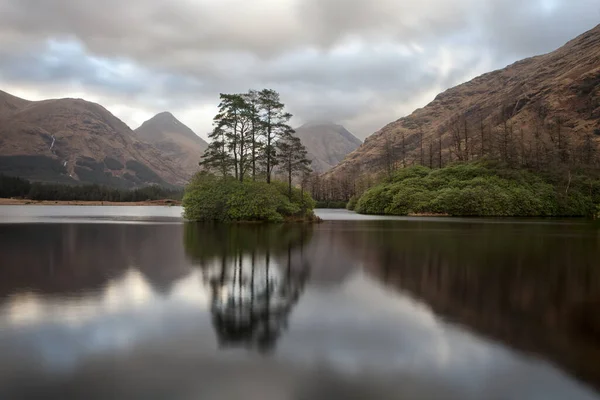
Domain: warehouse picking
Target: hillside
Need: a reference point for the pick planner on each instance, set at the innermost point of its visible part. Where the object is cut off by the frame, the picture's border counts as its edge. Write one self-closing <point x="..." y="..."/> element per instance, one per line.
<point x="174" y="140"/>
<point x="72" y="140"/>
<point x="10" y="104"/>
<point x="327" y="144"/>
<point x="527" y="111"/>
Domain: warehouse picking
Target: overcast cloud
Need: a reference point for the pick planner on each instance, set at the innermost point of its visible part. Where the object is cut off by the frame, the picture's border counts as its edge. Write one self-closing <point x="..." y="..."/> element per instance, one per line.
<point x="362" y="63"/>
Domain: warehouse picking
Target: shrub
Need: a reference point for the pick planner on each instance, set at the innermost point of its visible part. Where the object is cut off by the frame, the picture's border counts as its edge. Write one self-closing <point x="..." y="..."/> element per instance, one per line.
<point x="211" y="198"/>
<point x="376" y="200"/>
<point x="351" y="205"/>
<point x="479" y="189"/>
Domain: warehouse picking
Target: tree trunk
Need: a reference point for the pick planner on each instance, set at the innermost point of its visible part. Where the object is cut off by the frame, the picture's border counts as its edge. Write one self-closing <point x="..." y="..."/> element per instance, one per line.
<point x="440" y="151"/>
<point x="290" y="181"/>
<point x="482" y="127"/>
<point x="466" y="140"/>
<point x="430" y="154"/>
<point x="403" y="152"/>
<point x="269" y="148"/>
<point x="253" y="151"/>
<point x="421" y="144"/>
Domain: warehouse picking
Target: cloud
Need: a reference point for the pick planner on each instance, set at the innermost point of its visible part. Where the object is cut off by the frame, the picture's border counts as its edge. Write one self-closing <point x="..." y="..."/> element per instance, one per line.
<point x="363" y="63"/>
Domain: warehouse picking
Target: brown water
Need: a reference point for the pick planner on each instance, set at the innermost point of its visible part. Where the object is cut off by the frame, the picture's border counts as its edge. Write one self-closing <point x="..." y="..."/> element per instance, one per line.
<point x="132" y="303"/>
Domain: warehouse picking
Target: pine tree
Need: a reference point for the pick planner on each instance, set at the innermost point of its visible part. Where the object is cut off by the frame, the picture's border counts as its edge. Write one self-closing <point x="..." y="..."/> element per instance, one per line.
<point x="256" y="131"/>
<point x="231" y="138"/>
<point x="216" y="157"/>
<point x="292" y="157"/>
<point x="274" y="121"/>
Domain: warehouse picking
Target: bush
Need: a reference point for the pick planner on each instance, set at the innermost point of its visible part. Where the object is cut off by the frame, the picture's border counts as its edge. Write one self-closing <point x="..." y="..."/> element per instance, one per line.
<point x="376" y="200"/>
<point x="479" y="189"/>
<point x="211" y="198"/>
<point x="352" y="203"/>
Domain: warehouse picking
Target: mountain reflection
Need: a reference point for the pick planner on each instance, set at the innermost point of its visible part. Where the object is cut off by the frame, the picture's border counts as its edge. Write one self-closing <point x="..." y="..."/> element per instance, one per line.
<point x="72" y="292"/>
<point x="534" y="286"/>
<point x="255" y="273"/>
<point x="78" y="259"/>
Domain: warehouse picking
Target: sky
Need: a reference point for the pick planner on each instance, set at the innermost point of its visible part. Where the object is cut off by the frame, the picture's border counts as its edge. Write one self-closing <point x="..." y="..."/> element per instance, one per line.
<point x="360" y="63"/>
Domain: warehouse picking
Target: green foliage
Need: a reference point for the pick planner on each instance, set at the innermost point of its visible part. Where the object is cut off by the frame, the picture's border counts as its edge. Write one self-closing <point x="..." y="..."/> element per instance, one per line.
<point x="376" y="200"/>
<point x="251" y="137"/>
<point x="225" y="199"/>
<point x="351" y="205"/>
<point x="292" y="158"/>
<point x="22" y="188"/>
<point x="479" y="189"/>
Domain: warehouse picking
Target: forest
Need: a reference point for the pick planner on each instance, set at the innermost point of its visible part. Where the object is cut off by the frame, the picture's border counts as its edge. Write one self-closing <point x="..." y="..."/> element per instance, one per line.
<point x="13" y="187"/>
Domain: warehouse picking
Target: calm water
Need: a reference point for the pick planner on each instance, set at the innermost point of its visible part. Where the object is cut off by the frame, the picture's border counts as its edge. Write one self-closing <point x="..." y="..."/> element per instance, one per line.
<point x="130" y="302"/>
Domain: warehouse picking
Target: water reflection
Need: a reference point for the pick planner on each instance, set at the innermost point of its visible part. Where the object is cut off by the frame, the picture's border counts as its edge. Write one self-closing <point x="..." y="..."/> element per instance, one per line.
<point x="533" y="285"/>
<point x="256" y="275"/>
<point x="71" y="259"/>
<point x="339" y="310"/>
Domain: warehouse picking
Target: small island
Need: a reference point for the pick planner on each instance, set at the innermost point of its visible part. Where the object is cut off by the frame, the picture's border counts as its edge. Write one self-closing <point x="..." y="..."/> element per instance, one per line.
<point x="251" y="145"/>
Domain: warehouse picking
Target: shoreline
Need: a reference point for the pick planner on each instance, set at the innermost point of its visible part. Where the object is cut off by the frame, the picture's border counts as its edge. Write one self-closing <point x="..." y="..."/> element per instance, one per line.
<point x="27" y="202"/>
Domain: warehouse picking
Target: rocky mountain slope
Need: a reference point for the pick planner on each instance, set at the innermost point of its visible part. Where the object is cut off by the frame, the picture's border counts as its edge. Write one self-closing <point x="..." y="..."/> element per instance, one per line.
<point x="72" y="140"/>
<point x="174" y="140"/>
<point x="552" y="94"/>
<point x="327" y="144"/>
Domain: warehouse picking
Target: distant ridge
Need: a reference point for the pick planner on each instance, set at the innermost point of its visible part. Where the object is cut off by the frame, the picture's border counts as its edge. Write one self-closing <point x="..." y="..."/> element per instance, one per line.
<point x="327" y="143"/>
<point x="174" y="140"/>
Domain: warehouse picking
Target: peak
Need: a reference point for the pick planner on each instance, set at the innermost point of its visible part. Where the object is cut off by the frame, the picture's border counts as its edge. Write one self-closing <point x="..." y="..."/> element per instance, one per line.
<point x="165" y="115"/>
<point x="319" y="123"/>
<point x="164" y="125"/>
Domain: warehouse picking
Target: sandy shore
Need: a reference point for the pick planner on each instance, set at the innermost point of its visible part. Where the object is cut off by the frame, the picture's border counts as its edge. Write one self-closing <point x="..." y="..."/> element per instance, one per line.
<point x="22" y="202"/>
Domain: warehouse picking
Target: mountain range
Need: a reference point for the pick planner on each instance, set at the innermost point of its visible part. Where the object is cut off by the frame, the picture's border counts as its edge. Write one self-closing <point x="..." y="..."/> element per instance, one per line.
<point x="76" y="141"/>
<point x="73" y="140"/>
<point x="551" y="95"/>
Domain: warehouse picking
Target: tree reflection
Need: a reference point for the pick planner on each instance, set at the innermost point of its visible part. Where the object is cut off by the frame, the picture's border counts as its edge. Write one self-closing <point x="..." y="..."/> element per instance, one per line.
<point x="533" y="286"/>
<point x="255" y="273"/>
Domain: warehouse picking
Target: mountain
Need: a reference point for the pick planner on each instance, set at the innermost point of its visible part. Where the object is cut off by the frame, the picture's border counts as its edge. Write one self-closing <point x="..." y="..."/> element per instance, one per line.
<point x="555" y="95"/>
<point x="10" y="104"/>
<point x="174" y="140"/>
<point x="73" y="140"/>
<point x="327" y="143"/>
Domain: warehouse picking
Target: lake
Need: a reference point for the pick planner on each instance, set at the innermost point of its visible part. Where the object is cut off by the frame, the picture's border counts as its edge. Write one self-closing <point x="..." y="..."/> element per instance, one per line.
<point x="131" y="302"/>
